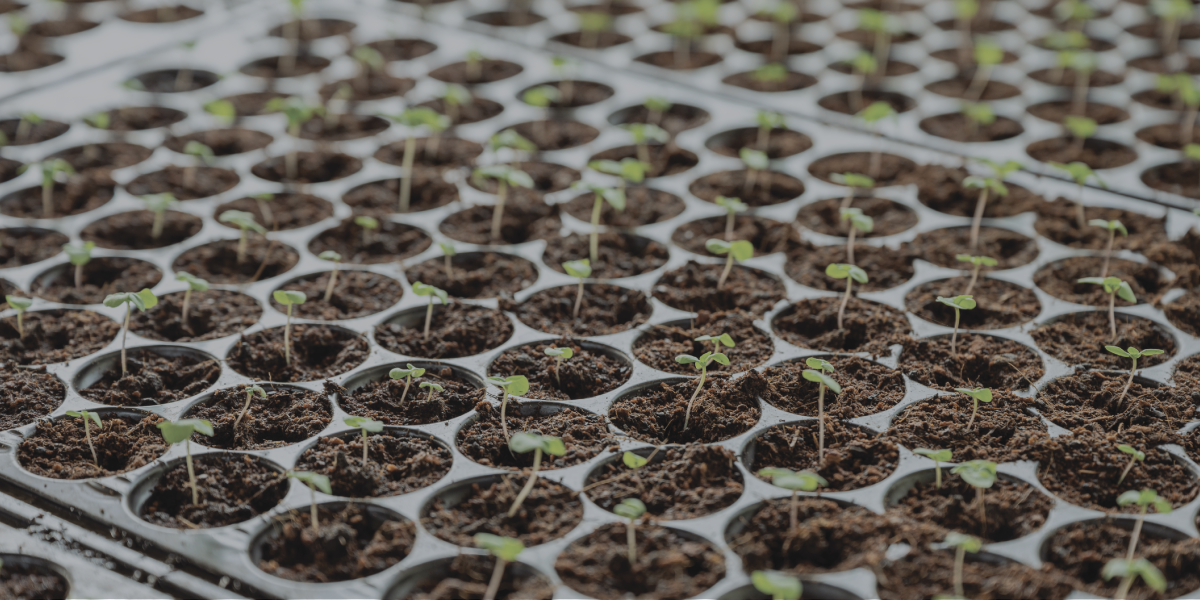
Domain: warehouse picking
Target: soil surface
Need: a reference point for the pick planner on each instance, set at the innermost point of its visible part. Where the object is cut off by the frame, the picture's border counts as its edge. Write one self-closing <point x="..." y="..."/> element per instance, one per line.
<point x="479" y="109"/>
<point x="941" y="188"/>
<point x="176" y="81"/>
<point x="667" y="60"/>
<point x="212" y="314"/>
<point x="288" y="211"/>
<point x="1079" y="338"/>
<point x="390" y="242"/>
<point x="959" y="128"/>
<point x="677" y="118"/>
<point x="1014" y="508"/>
<point x="980" y="361"/>
<point x="942" y="246"/>
<point x="599" y="40"/>
<point x="957" y="88"/>
<point x="556" y="135"/>
<point x="606" y="309"/>
<point x="847" y="104"/>
<point x="868" y="326"/>
<point x="669" y="564"/>
<point x="824" y="216"/>
<point x="385" y="400"/>
<point x="885" y="267"/>
<point x="403" y="48"/>
<point x="549" y="512"/>
<point x="27" y="395"/>
<point x="1058" y="221"/>
<point x="343" y="128"/>
<point x="1057" y="111"/>
<point x="355" y="294"/>
<point x="307" y="30"/>
<point x="1089" y="400"/>
<point x="928" y="573"/>
<point x="20" y="246"/>
<point x="664" y="160"/>
<point x="318" y="351"/>
<point x="58" y="448"/>
<point x="547" y="178"/>
<point x="208" y="181"/>
<point x="101" y="277"/>
<point x="153" y="378"/>
<point x="588" y="373"/>
<point x="53" y="336"/>
<point x="253" y="104"/>
<point x="456" y="330"/>
<point x="477" y="274"/>
<point x="217" y="261"/>
<point x="1082" y="549"/>
<point x="311" y="167"/>
<point x="677" y="483"/>
<point x="140" y="118"/>
<point x="233" y="488"/>
<point x="1061" y="280"/>
<point x="781" y="143"/>
<point x="893" y="169"/>
<point x="867" y="388"/>
<point x="1003" y="429"/>
<point x="47" y="129"/>
<point x="223" y="142"/>
<point x="432" y="154"/>
<point x="382" y="197"/>
<point x="350" y="542"/>
<point x="271" y="67"/>
<point x="792" y="81"/>
<point x="766" y="235"/>
<point x="762" y="188"/>
<point x="1181" y="178"/>
<point x="397" y="463"/>
<point x="660" y="344"/>
<point x="855" y="457"/>
<point x="1184" y="313"/>
<point x="724" y="409"/>
<point x="1181" y="257"/>
<point x="526" y="217"/>
<point x="693" y="287"/>
<point x="1096" y="153"/>
<point x="135" y="230"/>
<point x="644" y="206"/>
<point x="1000" y="303"/>
<point x="584" y="433"/>
<point x="286" y="416"/>
<point x="100" y="159"/>
<point x="466" y="577"/>
<point x="618" y="254"/>
<point x="374" y="86"/>
<point x="21" y="582"/>
<point x="78" y="195"/>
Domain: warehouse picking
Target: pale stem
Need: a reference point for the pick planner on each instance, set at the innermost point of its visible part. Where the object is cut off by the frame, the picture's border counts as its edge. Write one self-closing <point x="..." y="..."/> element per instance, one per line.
<point x="643" y="153"/>
<point x="1080" y="219"/>
<point x="845" y="301"/>
<point x="433" y="145"/>
<point x="449" y="267"/>
<point x="1079" y="97"/>
<point x="793" y="517"/>
<point x="245" y="407"/>
<point x="982" y="511"/>
<point x="241" y="247"/>
<point x="187" y="446"/>
<point x="821" y="427"/>
<point x="751" y="179"/>
<point x="688" y="414"/>
<point x="850" y="244"/>
<point x="498" y="212"/>
<point x="1112" y="237"/>
<point x="87" y="432"/>
<point x="764" y="139"/>
<point x="189" y="176"/>
<point x="959" y="555"/>
<point x="1112" y="315"/>
<point x="20" y="327"/>
<point x="780" y="42"/>
<point x="157" y="229"/>
<point x="537" y="462"/>
<point x="47" y="196"/>
<point x="883" y="43"/>
<point x="267" y="214"/>
<point x="978" y="218"/>
<point x="287" y="338"/>
<point x="954" y="336"/>
<point x="503" y="411"/>
<point x="876" y="159"/>
<point x="187" y="299"/>
<point x="974" y="411"/>
<point x="312" y="510"/>
<point x="332" y="282"/>
<point x="292" y="32"/>
<point x="856" y="94"/>
<point x="493" y="587"/>
<point x="407" y="382"/>
<point x="631" y="538"/>
<point x="728" y="268"/>
<point x="290" y="165"/>
<point x="594" y="242"/>
<point x="974" y="278"/>
<point x="729" y="221"/>
<point x="78" y="276"/>
<point x="1128" y="383"/>
<point x="578" y="300"/>
<point x="557" y="368"/>
<point x="1137" y="532"/>
<point x="428" y="318"/>
<point x="365" y="443"/>
<point x="846" y="200"/>
<point x="1123" y="590"/>
<point x="1128" y="468"/>
<point x="979" y="82"/>
<point x="410" y="145"/>
<point x="124" y="336"/>
<point x="1189" y="122"/>
<point x="937" y="470"/>
<point x="964" y="48"/>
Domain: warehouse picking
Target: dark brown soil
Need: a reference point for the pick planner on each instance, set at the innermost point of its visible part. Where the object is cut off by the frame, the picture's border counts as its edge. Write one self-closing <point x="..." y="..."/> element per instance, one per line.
<point x="768" y="236"/>
<point x="344" y="127"/>
<point x="30" y="582"/>
<point x="582" y="93"/>
<point x="549" y="512"/>
<point x="792" y="81"/>
<point x="957" y="88"/>
<point x="134" y="230"/>
<point x="1184" y="313"/>
<point x="233" y="488"/>
<point x="585" y="434"/>
<point x="1061" y="280"/>
<point x="855" y="457"/>
<point x="606" y="309"/>
<point x="669" y="564"/>
<point x="893" y="68"/>
<point x="1003" y="430"/>
<point x="1181" y="178"/>
<point x="588" y="373"/>
<point x="550" y="135"/>
<point x="1014" y="508"/>
<point x="288" y="415"/>
<point x="318" y="351"/>
<point x="101" y="277"/>
<point x="311" y="167"/>
<point x="46" y="130"/>
<point x="253" y="104"/>
<point x="140" y="118"/>
<point x="153" y="378"/>
<point x="172" y="14"/>
<point x="1167" y="135"/>
<point x="893" y="169"/>
<point x="58" y="448"/>
<point x="1098" y="78"/>
<point x="1000" y="303"/>
<point x="824" y="216"/>
<point x="212" y="314"/>
<point x="351" y="541"/>
<point x="644" y="206"/>
<point x="308" y="30"/>
<point x="78" y="195"/>
<point x="732" y="184"/>
<point x="223" y="142"/>
<point x="950" y="55"/>
<point x="21" y="246"/>
<point x="381" y="399"/>
<point x="403" y="48"/>
<point x="780" y="144"/>
<point x="869" y="326"/>
<point x="508" y="18"/>
<point x="217" y="261"/>
<point x="942" y="246"/>
<point x="1151" y="29"/>
<point x="9" y="169"/>
<point x="53" y="336"/>
<point x="28" y="395"/>
<point x="547" y="178"/>
<point x="1057" y="221"/>
<point x="1082" y="549"/>
<point x="1097" y="153"/>
<point x="167" y="81"/>
<point x="490" y="70"/>
<point x="480" y="109"/>
<point x="866" y="39"/>
<point x="466" y="577"/>
<point x="1089" y="401"/>
<point x="1057" y="111"/>
<point x="678" y="483"/>
<point x="397" y="463"/>
<point x="288" y="211"/>
<point x="1079" y="339"/>
<point x="1156" y="99"/>
<point x="456" y="330"/>
<point x="660" y="344"/>
<point x="693" y="287"/>
<point x="941" y="188"/>
<point x="355" y="294"/>
<point x="845" y="103"/>
<point x="390" y="242"/>
<point x="680" y="117"/>
<point x="981" y="361"/>
<point x="526" y="217"/>
<point x="383" y="197"/>
<point x="27" y="60"/>
<point x="477" y="274"/>
<point x="766" y="47"/>
<point x="724" y="409"/>
<point x="449" y="152"/>
<point x="867" y="388"/>
<point x="665" y="160"/>
<point x="270" y="67"/>
<point x="375" y="86"/>
<point x="928" y="573"/>
<point x="667" y="60"/>
<point x="619" y="254"/>
<point x="601" y="40"/>
<point x="957" y="127"/>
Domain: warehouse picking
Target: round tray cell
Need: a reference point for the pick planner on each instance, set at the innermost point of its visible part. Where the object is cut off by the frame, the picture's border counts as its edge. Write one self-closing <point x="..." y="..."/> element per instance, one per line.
<point x="664" y="160"/>
<point x="483" y="71"/>
<point x="96" y="280"/>
<point x="222" y="142"/>
<point x="973" y="360"/>
<point x="311" y="167"/>
<point x="480" y="109"/>
<point x="212" y="314"/>
<point x="867" y="388"/>
<point x="670" y="563"/>
<point x="103" y="157"/>
<point x="253" y="104"/>
<point x="592" y="40"/>
<point x="867" y="326"/>
<point x="287" y="415"/>
<point x="389" y="242"/>
<point x="28" y="395"/>
<point x="218" y="261"/>
<point x="1181" y="178"/>
<point x="163" y="14"/>
<point x="766" y="235"/>
<point x="21" y="246"/>
<point x="618" y="254"/>
<point x="659" y="345"/>
<point x="141" y="118"/>
<point x="459" y="512"/>
<point x="402" y="48"/>
<point x="232" y="488"/>
<point x="658" y="412"/>
<point x="942" y="188"/>
<point x="1078" y="339"/>
<point x="928" y="572"/>
<point x="355" y="294"/>
<point x="755" y="188"/>
<point x="1079" y="550"/>
<point x="455" y="330"/>
<point x="30" y="133"/>
<point x="694" y="287"/>
<point x="958" y="87"/>
<point x="942" y="246"/>
<point x="283" y="211"/>
<point x="154" y="375"/>
<point x="482" y="438"/>
<point x="431" y="155"/>
<point x="1000" y="304"/>
<point x="885" y="267"/>
<point x="855" y="457"/>
<point x="1103" y="114"/>
<point x="1012" y="508"/>
<point x="507" y="18"/>
<point x="1058" y="221"/>
<point x="957" y="127"/>
<point x="605" y="309"/>
<point x="465" y="575"/>
<point x="1099" y="400"/>
<point x="547" y="178"/>
<point x="591" y="371"/>
<point x="476" y="274"/>
<point x="677" y="483"/>
<point x="53" y="336"/>
<point x="791" y="82"/>
<point x="307" y="30"/>
<point x="574" y="93"/>
<point x="670" y="60"/>
<point x="1003" y="430"/>
<point x="549" y="135"/>
<point x="1096" y="153"/>
<point x="780" y="143"/>
<point x="78" y="195"/>
<point x="525" y="217"/>
<point x="184" y="183"/>
<point x="350" y="541"/>
<point x="848" y="103"/>
<point x="399" y="461"/>
<point x="134" y="230"/>
<point x="28" y="60"/>
<point x="317" y="352"/>
<point x="274" y="67"/>
<point x="342" y="128"/>
<point x="58" y="448"/>
<point x="889" y="169"/>
<point x="824" y="216"/>
<point x="28" y="577"/>
<point x="174" y="81"/>
<point x="373" y="394"/>
<point x="678" y="117"/>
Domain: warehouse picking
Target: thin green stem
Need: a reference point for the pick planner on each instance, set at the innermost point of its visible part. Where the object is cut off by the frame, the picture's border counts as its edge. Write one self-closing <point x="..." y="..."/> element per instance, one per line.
<point x="537" y="462"/>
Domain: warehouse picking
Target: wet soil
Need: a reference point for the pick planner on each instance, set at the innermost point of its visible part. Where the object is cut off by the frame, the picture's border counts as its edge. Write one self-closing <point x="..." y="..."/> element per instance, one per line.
<point x="223" y="142"/>
<point x="693" y="287"/>
<point x="1079" y="338"/>
<point x="766" y="235"/>
<point x="781" y="143"/>
<point x="374" y="86"/>
<point x="477" y="274"/>
<point x="525" y="218"/>
<point x="867" y="388"/>
<point x="678" y="483"/>
<point x="941" y="188"/>
<point x="351" y="541"/>
<point x="588" y="373"/>
<point x="307" y="30"/>
<point x="667" y="60"/>
<point x="549" y="135"/>
<point x="869" y="326"/>
<point x="212" y="314"/>
<point x="1014" y="508"/>
<point x="768" y="187"/>
<point x="253" y="104"/>
<point x="669" y="564"/>
<point x="381" y="197"/>
<point x="27" y="395"/>
<point x="140" y="118"/>
<point x="1061" y="280"/>
<point x="547" y="178"/>
<point x="36" y="133"/>
<point x="585" y="434"/>
<point x="403" y="48"/>
<point x="21" y="246"/>
<point x="791" y="82"/>
<point x="680" y="117"/>
<point x="172" y="14"/>
<point x="942" y="246"/>
<point x="355" y="294"/>
<point x="1057" y="221"/>
<point x="958" y="86"/>
<point x="600" y="40"/>
<point x="318" y="351"/>
<point x="479" y="109"/>
<point x="101" y="277"/>
<point x="855" y="457"/>
<point x="644" y="207"/>
<point x="549" y="512"/>
<point x="134" y="230"/>
<point x="54" y="336"/>
<point x="390" y="242"/>
<point x="271" y="66"/>
<point x="311" y="167"/>
<point x="664" y="160"/>
<point x="288" y="211"/>
<point x="1082" y="549"/>
<point x="439" y="153"/>
<point x="724" y="409"/>
<point x="957" y="127"/>
<point x="845" y="103"/>
<point x="58" y="448"/>
<point x="397" y="463"/>
<point x="153" y="378"/>
<point x="886" y="267"/>
<point x="342" y="128"/>
<point x="217" y="261"/>
<point x="489" y="70"/>
<point x="384" y="399"/>
<point x="1096" y="153"/>
<point x="606" y="309"/>
<point x="209" y="181"/>
<point x="1181" y="178"/>
<point x="1182" y="257"/>
<point x="1089" y="401"/>
<point x="466" y="577"/>
<point x="1003" y="430"/>
<point x="175" y="81"/>
<point x="456" y="330"/>
<point x="980" y="361"/>
<point x="658" y="346"/>
<point x="824" y="216"/>
<point x="893" y="169"/>
<point x="78" y="195"/>
<point x="1000" y="303"/>
<point x="286" y="416"/>
<point x="1057" y="111"/>
<point x="1184" y="313"/>
<point x="233" y="488"/>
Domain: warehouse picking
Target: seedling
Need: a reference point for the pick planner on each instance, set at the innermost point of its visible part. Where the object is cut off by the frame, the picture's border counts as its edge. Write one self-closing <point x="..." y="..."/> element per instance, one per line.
<point x="1113" y="228"/>
<point x="1134" y="354"/>
<point x="981" y="475"/>
<point x="432" y="387"/>
<point x="804" y="481"/>
<point x="142" y="300"/>
<point x="264" y="207"/>
<point x="732" y="207"/>
<point x="767" y="122"/>
<point x="1075" y="13"/>
<point x="757" y="164"/>
<point x="816" y="373"/>
<point x="1135" y="456"/>
<point x="700" y="364"/>
<point x="851" y="274"/>
<point x="195" y="284"/>
<point x="1144" y="499"/>
<point x="879" y="23"/>
<point x="289" y="299"/>
<point x="579" y="269"/>
<point x="334" y="258"/>
<point x="634" y="461"/>
<point x="454" y="98"/>
<point x="506" y="550"/>
<point x="632" y="509"/>
<point x="158" y="204"/>
<point x="740" y="250"/>
<point x="1129" y="570"/>
<point x="770" y="75"/>
<point x="25" y="125"/>
<point x="591" y="25"/>
<point x="51" y="169"/>
<point x="964" y="12"/>
<point x="1083" y="63"/>
<point x="181" y="431"/>
<point x="938" y="457"/>
<point x="407" y="375"/>
<point x="865" y="65"/>
<point x="1080" y="172"/>
<point x="1171" y="14"/>
<point x="853" y="181"/>
<point x="369" y="60"/>
<point x="1191" y="152"/>
<point x="517" y="143"/>
<point x="858" y="222"/>
<point x="87" y="416"/>
<point x="543" y="97"/>
<point x="1081" y="129"/>
<point x="414" y="118"/>
<point x="422" y="289"/>
<point x="988" y="54"/>
<point x="223" y="110"/>
<point x="250" y="391"/>
<point x="505" y="176"/>
<point x="367" y="426"/>
<point x="979" y="115"/>
<point x="976" y="395"/>
<point x="1186" y="100"/>
<point x="643" y="134"/>
<point x="369" y="225"/>
<point x="977" y="263"/>
<point x="559" y="355"/>
<point x="1113" y="287"/>
<point x="448" y="253"/>
<point x="783" y="14"/>
<point x="523" y="442"/>
<point x="79" y="255"/>
<point x="986" y="186"/>
<point x="202" y="155"/>
<point x="962" y="544"/>
<point x="100" y="120"/>
<point x="513" y="384"/>
<point x="723" y="339"/>
<point x="871" y="115"/>
<point x="959" y="304"/>
<point x="777" y="584"/>
<point x="246" y="223"/>
<point x="298" y="113"/>
<point x="685" y="32"/>
<point x="655" y="109"/>
<point x="629" y="169"/>
<point x="20" y="305"/>
<point x="314" y="481"/>
<point x="474" y="62"/>
<point x="614" y="197"/>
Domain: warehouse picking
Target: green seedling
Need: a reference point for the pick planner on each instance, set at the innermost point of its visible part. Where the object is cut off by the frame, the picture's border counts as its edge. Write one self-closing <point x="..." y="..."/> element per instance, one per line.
<point x="959" y="304"/>
<point x="783" y="14"/>
<point x="962" y="544"/>
<point x="1074" y="13"/>
<point x="515" y="142"/>
<point x="334" y="258"/>
<point x="51" y="169"/>
<point x="757" y="165"/>
<point x="976" y="395"/>
<point x="25" y="125"/>
<point x="474" y="63"/>
<point x="1191" y="152"/>
<point x="979" y="115"/>
<point x="513" y="384"/>
<point x="79" y="255"/>
<point x="414" y="118"/>
<point x="964" y="12"/>
<point x="543" y="97"/>
<point x="1130" y="570"/>
<point x="777" y="584"/>
<point x="629" y="169"/>
<point x="804" y="481"/>
<point x="988" y="54"/>
<point x="314" y="481"/>
<point x="591" y="26"/>
<point x="202" y="155"/>
<point x="977" y="263"/>
<point x="853" y="181"/>
<point x="981" y="475"/>
<point x="851" y="274"/>
<point x="871" y="116"/>
<point x="369" y="60"/>
<point x="634" y="461"/>
<point x="369" y="226"/>
<point x="448" y="254"/>
<point x="87" y="416"/>
<point x="938" y="457"/>
<point x="263" y="201"/>
<point x="20" y="305"/>
<point x="858" y="222"/>
<point x="422" y="289"/>
<point x="291" y="32"/>
<point x="1113" y="228"/>
<point x="142" y="301"/>
<point x="559" y="355"/>
<point x="771" y="75"/>
<point x="1113" y="287"/>
<point x="1171" y="15"/>
<point x="1066" y="40"/>
<point x="816" y="373"/>
<point x="290" y="299"/>
<point x="454" y="97"/>
<point x="986" y="186"/>
<point x="101" y="120"/>
<point x="1134" y="354"/>
<point x="700" y="364"/>
<point x="732" y="207"/>
<point x="246" y="223"/>
<point x="195" y="284"/>
<point x="223" y="110"/>
<point x="1144" y="500"/>
<point x="1135" y="456"/>
<point x="181" y="431"/>
<point x="366" y="426"/>
<point x="523" y="442"/>
<point x="1185" y="98"/>
<point x="643" y="134"/>
<point x="1083" y="63"/>
<point x="579" y="269"/>
<point x="879" y="23"/>
<point x="251" y="390"/>
<point x="723" y="339"/>
<point x="615" y="197"/>
<point x="432" y="387"/>
<point x="506" y="550"/>
<point x="297" y="113"/>
<point x="158" y="204"/>
<point x="505" y="177"/>
<point x="407" y="375"/>
<point x="740" y="251"/>
<point x="632" y="509"/>
<point x="1080" y="172"/>
<point x="656" y="107"/>
<point x="768" y="121"/>
<point x="1081" y="128"/>
<point x="684" y="33"/>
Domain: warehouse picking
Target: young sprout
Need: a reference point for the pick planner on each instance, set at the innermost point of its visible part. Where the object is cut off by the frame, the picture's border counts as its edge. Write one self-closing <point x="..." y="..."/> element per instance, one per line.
<point x="977" y="395"/>
<point x="1171" y="14"/>
<point x="756" y="163"/>
<point x="853" y="181"/>
<point x="543" y="97"/>
<point x="643" y="134"/>
<point x="142" y="300"/>
<point x="367" y="426"/>
<point x="804" y="481"/>
<point x="879" y="23"/>
<point x="988" y="54"/>
<point x="334" y="258"/>
<point x="158" y="204"/>
<point x="1135" y="456"/>
<point x="978" y="114"/>
<point x="981" y="475"/>
<point x="432" y="387"/>
<point x="634" y="461"/>
<point x="523" y="442"/>
<point x="723" y="339"/>
<point x="962" y="544"/>
<point x="871" y="115"/>
<point x="858" y="222"/>
<point x="474" y="61"/>
<point x="88" y="415"/>
<point x="615" y="197"/>
<point x="684" y="31"/>
<point x="1081" y="129"/>
<point x="1113" y="287"/>
<point x="505" y="176"/>
<point x="732" y="207"/>
<point x="222" y="109"/>
<point x="977" y="263"/>
<point x="289" y="299"/>
<point x="632" y="509"/>
<point x="816" y="373"/>
<point x="314" y="481"/>
<point x="1113" y="227"/>
<point x="181" y="431"/>
<point x="448" y="253"/>
<point x="938" y="457"/>
<point x="195" y="284"/>
<point x="407" y="375"/>
<point x="964" y="12"/>
<point x="1191" y="152"/>
<point x="20" y="305"/>
<point x="986" y="186"/>
<point x="740" y="250"/>
<point x="454" y="98"/>
<point x="1129" y="570"/>
<point x="770" y="75"/>
<point x="1187" y="100"/>
<point x="506" y="550"/>
<point x="959" y="304"/>
<point x="250" y="391"/>
<point x="513" y="384"/>
<point x="1080" y="172"/>
<point x="298" y="113"/>
<point x="263" y="201"/>
<point x="368" y="225"/>
<point x="246" y="223"/>
<point x="700" y="364"/>
<point x="369" y="61"/>
<point x="767" y="122"/>
<point x="51" y="169"/>
<point x="413" y="118"/>
<point x="777" y="584"/>
<point x="559" y="355"/>
<point x="25" y="125"/>
<point x="591" y="25"/>
<point x="579" y="269"/>
<point x="515" y="142"/>
<point x="629" y="169"/>
<point x="1134" y="354"/>
<point x="850" y="273"/>
<point x="783" y="13"/>
<point x="656" y="107"/>
<point x="1144" y="500"/>
<point x="1083" y="62"/>
<point x="202" y="155"/>
<point x="79" y="255"/>
<point x="422" y="289"/>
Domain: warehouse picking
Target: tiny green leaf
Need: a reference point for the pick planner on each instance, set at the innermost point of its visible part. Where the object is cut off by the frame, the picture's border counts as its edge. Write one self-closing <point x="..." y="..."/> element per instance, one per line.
<point x="370" y="425"/>
<point x="633" y="461"/>
<point x="289" y="297"/>
<point x="630" y="508"/>
<point x="943" y="455"/>
<point x="504" y="548"/>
